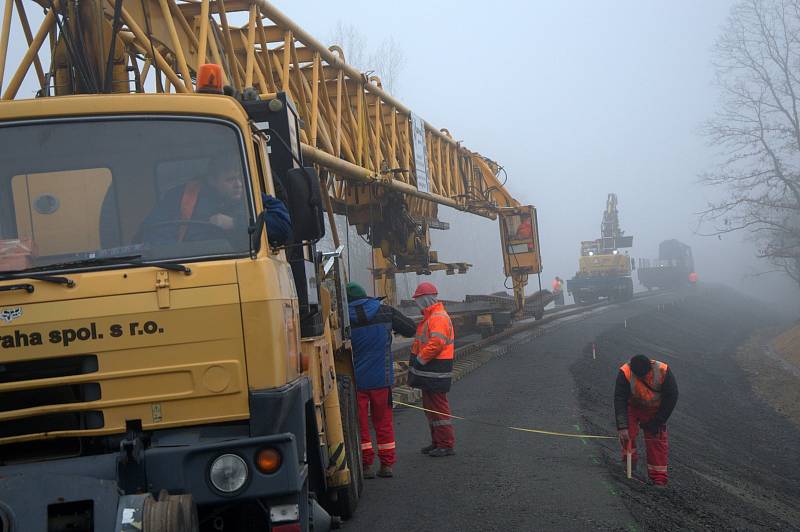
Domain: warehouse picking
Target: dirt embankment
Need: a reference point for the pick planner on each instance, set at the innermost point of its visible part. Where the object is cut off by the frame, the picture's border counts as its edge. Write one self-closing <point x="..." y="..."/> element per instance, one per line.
<point x="734" y="458"/>
<point x="773" y="373"/>
<point x="787" y="344"/>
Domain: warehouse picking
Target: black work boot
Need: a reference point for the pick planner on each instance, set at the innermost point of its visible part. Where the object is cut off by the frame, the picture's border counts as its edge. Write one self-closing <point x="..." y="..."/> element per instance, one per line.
<point x="439" y="452"/>
<point x="427" y="449"/>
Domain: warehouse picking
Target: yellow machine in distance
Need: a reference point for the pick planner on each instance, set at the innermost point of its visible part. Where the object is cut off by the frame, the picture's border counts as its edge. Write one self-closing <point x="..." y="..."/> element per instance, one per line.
<point x="604" y="271"/>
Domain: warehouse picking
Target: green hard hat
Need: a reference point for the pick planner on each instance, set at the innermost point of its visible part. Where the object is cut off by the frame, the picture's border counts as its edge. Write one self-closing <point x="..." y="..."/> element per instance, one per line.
<point x="355" y="291"/>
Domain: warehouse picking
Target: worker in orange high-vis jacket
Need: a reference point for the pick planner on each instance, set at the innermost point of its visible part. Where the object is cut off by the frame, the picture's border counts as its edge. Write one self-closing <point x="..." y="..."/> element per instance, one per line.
<point x="431" y="368"/>
<point x="644" y="396"/>
<point x="558" y="291"/>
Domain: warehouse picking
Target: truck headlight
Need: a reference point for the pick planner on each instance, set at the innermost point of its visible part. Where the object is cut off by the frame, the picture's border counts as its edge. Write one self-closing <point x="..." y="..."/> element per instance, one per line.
<point x="228" y="473"/>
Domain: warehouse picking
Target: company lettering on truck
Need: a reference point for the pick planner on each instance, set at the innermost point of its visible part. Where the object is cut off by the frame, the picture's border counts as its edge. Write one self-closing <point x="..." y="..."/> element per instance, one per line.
<point x="66" y="337"/>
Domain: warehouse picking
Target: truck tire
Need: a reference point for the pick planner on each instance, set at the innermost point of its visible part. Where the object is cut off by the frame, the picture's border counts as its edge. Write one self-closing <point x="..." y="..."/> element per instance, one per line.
<point x="629" y="290"/>
<point x="347" y="498"/>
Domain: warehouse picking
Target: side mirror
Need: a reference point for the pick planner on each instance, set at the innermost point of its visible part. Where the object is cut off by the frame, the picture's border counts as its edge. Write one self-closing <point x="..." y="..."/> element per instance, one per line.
<point x="305" y="203"/>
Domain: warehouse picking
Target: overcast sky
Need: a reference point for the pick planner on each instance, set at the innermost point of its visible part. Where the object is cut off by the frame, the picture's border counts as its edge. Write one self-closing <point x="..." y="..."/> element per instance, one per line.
<point x="576" y="99"/>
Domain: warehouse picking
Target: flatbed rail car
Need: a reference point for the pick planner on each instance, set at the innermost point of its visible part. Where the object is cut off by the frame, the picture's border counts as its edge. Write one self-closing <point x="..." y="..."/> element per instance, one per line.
<point x="670" y="270"/>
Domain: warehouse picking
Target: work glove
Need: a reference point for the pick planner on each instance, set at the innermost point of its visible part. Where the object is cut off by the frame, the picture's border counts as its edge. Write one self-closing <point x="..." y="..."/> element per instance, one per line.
<point x="651" y="427"/>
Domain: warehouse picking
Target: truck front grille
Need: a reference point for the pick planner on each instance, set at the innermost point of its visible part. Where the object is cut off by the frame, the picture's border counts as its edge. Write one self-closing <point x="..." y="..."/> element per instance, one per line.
<point x="61" y="421"/>
<point x="47" y="368"/>
<point x="44" y="396"/>
<point x="53" y="395"/>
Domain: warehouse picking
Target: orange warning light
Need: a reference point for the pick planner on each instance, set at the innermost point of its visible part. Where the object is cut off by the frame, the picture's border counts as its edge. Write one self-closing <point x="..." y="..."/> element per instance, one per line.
<point x="209" y="79"/>
<point x="268" y="460"/>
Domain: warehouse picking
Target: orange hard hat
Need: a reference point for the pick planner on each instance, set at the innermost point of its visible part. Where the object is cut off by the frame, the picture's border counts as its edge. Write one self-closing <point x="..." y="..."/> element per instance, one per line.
<point x="425" y="289"/>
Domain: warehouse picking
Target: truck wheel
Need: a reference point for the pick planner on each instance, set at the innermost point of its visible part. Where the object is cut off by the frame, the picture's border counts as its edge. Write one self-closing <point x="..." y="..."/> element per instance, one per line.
<point x="347" y="498"/>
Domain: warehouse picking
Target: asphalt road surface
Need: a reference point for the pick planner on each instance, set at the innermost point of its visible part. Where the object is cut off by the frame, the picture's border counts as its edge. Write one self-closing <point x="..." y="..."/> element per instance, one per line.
<point x="735" y="460"/>
<point x="501" y="479"/>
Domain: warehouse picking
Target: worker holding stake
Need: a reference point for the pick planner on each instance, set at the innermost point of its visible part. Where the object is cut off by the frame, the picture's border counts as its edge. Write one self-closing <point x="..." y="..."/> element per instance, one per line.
<point x="432" y="368"/>
<point x="644" y="396"/>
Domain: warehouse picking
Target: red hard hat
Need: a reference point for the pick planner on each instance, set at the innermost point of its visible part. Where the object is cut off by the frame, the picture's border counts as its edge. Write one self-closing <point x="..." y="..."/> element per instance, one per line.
<point x="425" y="289"/>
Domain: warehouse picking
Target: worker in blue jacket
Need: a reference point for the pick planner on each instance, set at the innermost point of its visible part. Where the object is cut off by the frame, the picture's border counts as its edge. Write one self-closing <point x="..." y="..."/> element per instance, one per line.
<point x="371" y="324"/>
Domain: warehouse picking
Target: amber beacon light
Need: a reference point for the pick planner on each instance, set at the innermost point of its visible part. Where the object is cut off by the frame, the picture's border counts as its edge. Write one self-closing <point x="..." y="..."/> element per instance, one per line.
<point x="209" y="79"/>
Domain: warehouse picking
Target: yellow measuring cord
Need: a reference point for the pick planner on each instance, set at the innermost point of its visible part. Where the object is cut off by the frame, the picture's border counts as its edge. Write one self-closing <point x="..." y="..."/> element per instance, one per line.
<point x="520" y="429"/>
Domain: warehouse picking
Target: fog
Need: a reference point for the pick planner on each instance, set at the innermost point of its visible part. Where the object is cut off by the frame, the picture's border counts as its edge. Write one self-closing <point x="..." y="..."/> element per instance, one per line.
<point x="575" y="99"/>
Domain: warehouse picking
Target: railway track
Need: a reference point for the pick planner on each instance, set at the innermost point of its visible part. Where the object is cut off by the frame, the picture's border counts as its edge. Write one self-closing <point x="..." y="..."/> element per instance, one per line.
<point x="475" y="354"/>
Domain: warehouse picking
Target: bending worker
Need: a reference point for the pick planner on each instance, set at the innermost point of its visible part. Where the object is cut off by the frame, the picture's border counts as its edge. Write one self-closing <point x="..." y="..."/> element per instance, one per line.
<point x="432" y="368"/>
<point x="644" y="396"/>
<point x="371" y="333"/>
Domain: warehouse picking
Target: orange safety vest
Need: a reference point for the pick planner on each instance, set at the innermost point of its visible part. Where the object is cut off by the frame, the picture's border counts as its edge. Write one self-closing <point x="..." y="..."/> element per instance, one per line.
<point x="525" y="230"/>
<point x="432" y="351"/>
<point x="188" y="203"/>
<point x="646" y="393"/>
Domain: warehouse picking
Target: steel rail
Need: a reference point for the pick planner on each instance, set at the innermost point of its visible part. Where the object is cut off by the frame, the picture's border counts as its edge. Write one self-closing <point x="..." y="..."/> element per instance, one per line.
<point x="465" y="353"/>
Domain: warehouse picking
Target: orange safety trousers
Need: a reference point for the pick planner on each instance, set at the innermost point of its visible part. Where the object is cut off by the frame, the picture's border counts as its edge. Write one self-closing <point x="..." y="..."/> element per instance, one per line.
<point x="378" y="402"/>
<point x="656" y="445"/>
<point x="441" y="424"/>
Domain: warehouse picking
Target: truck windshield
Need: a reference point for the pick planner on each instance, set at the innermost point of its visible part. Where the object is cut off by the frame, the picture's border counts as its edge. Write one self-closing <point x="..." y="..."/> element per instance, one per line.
<point x="154" y="188"/>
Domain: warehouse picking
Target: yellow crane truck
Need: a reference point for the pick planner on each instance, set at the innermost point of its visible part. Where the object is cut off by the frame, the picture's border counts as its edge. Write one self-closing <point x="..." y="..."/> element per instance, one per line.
<point x="167" y="363"/>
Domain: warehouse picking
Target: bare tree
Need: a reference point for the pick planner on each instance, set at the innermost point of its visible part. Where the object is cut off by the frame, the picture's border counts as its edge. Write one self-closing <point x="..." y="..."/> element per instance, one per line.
<point x="353" y="42"/>
<point x="386" y="61"/>
<point x="758" y="128"/>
